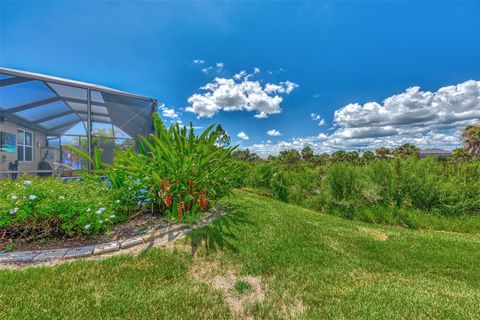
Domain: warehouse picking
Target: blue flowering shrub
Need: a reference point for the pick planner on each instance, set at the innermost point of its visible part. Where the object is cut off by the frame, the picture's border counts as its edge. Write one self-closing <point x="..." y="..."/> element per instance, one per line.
<point x="39" y="208"/>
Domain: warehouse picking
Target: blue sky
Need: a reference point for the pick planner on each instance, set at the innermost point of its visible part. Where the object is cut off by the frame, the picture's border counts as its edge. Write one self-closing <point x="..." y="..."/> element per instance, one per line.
<point x="313" y="58"/>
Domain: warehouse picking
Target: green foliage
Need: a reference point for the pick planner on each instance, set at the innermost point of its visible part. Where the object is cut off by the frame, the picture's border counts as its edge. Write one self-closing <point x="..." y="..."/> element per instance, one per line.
<point x="311" y="266"/>
<point x="375" y="190"/>
<point x="471" y="139"/>
<point x="289" y="156"/>
<point x="245" y="155"/>
<point x="460" y="154"/>
<point x="382" y="152"/>
<point x="307" y="154"/>
<point x="223" y="139"/>
<point x="96" y="161"/>
<point x="406" y="150"/>
<point x="342" y="180"/>
<point x="279" y="186"/>
<point x="242" y="286"/>
<point x="182" y="172"/>
<point x="38" y="208"/>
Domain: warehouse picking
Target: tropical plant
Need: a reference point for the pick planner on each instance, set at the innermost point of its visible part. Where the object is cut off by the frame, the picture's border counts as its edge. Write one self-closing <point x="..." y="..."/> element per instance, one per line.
<point x="183" y="172"/>
<point x="368" y="155"/>
<point x="307" y="154"/>
<point x="290" y="156"/>
<point x="460" y="154"/>
<point x="223" y="138"/>
<point x="406" y="150"/>
<point x="471" y="139"/>
<point x="339" y="156"/>
<point x="382" y="152"/>
<point x="245" y="155"/>
<point x="352" y="156"/>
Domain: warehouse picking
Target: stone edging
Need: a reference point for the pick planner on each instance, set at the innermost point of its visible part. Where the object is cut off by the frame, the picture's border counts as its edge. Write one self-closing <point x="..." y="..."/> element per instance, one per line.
<point x="160" y="236"/>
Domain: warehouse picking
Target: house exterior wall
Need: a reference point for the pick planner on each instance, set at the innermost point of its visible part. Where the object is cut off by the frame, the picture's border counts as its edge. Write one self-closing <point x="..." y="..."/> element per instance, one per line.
<point x="39" y="140"/>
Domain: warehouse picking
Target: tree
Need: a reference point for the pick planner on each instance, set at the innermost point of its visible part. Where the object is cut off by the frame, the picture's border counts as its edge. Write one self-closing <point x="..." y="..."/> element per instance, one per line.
<point x="245" y="155"/>
<point x="307" y="154"/>
<point x="322" y="159"/>
<point x="406" y="150"/>
<point x="382" y="152"/>
<point x="223" y="139"/>
<point x="352" y="156"/>
<point x="242" y="155"/>
<point x="471" y="139"/>
<point x="272" y="157"/>
<point x="290" y="156"/>
<point x="460" y="154"/>
<point x="368" y="155"/>
<point x="339" y="156"/>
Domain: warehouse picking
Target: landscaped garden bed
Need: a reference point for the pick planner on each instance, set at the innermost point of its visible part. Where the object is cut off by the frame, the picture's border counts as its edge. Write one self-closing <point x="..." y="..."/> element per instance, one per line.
<point x="175" y="176"/>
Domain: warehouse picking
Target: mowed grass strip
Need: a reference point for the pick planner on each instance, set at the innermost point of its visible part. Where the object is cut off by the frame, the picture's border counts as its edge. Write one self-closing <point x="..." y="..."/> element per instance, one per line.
<point x="309" y="265"/>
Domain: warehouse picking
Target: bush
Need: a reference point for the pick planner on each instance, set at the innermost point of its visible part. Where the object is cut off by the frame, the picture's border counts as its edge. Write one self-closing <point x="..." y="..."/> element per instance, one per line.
<point x="393" y="191"/>
<point x="182" y="172"/>
<point x="343" y="181"/>
<point x="38" y="208"/>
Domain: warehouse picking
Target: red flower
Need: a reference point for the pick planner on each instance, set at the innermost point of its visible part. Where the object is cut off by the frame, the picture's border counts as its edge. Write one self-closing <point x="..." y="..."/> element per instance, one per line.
<point x="202" y="201"/>
<point x="167" y="200"/>
<point x="165" y="185"/>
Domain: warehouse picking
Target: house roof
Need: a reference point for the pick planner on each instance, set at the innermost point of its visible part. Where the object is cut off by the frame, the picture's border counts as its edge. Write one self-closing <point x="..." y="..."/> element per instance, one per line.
<point x="75" y="83"/>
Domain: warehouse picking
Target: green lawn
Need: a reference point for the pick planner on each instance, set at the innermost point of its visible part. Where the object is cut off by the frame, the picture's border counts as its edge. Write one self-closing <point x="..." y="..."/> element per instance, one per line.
<point x="266" y="259"/>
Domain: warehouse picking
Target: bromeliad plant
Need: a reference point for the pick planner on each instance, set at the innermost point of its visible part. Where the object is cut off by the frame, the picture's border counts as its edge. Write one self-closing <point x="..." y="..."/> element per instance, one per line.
<point x="185" y="173"/>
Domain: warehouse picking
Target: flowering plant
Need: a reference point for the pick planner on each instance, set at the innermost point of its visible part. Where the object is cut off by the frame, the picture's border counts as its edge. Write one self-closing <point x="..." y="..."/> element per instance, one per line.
<point x="45" y="207"/>
<point x="183" y="173"/>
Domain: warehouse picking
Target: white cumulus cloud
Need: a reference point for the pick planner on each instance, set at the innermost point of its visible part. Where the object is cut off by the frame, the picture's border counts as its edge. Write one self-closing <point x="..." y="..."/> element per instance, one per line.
<point x="242" y="135"/>
<point x="238" y="95"/>
<point x="168" y="112"/>
<point x="198" y="61"/>
<point x="317" y="117"/>
<point x="274" y="133"/>
<point x="424" y="118"/>
<point x="206" y="70"/>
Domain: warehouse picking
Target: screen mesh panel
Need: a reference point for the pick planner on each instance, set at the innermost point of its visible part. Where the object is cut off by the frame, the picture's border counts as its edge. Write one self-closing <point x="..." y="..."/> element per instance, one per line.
<point x="54" y="107"/>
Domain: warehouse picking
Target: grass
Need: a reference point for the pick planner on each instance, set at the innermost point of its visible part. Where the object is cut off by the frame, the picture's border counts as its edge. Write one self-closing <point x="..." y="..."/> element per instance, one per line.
<point x="242" y="286"/>
<point x="309" y="265"/>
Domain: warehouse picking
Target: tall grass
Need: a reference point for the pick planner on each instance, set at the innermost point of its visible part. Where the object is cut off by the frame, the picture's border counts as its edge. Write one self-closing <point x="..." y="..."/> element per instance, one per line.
<point x="396" y="191"/>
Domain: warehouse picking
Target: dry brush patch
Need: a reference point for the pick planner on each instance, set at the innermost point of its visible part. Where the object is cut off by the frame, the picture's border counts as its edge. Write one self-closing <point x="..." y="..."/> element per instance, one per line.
<point x="223" y="279"/>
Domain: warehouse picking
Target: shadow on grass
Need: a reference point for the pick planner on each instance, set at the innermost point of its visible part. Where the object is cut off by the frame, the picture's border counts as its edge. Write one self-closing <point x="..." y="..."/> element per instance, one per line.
<point x="220" y="233"/>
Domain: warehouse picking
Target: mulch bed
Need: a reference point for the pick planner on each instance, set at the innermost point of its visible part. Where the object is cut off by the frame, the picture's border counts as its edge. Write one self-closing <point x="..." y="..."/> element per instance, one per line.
<point x="136" y="227"/>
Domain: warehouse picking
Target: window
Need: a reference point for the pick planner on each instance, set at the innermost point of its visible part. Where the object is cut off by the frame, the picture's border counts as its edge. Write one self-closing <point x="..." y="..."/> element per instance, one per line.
<point x="24" y="145"/>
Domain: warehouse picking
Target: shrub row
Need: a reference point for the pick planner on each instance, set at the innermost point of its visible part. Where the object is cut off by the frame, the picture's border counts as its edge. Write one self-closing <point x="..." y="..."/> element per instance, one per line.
<point x="380" y="187"/>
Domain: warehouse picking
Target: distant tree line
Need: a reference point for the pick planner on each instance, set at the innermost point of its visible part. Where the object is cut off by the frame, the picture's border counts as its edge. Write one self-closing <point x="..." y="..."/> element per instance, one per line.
<point x="470" y="150"/>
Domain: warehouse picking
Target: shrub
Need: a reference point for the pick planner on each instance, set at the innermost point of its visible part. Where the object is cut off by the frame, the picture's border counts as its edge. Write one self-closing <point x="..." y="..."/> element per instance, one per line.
<point x="343" y="181"/>
<point x="183" y="173"/>
<point x="38" y="208"/>
<point x="391" y="191"/>
<point x="279" y="186"/>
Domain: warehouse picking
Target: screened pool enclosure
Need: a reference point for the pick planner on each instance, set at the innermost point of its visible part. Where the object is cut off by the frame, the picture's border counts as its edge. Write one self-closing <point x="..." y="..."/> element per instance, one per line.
<point x="40" y="115"/>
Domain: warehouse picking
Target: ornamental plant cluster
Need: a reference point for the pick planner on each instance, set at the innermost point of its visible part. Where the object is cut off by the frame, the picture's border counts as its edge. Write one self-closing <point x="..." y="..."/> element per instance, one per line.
<point x="174" y="172"/>
<point x="37" y="208"/>
<point x="183" y="172"/>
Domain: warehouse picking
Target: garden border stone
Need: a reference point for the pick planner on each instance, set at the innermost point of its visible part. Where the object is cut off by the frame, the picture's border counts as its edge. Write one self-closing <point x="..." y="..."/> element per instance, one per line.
<point x="154" y="237"/>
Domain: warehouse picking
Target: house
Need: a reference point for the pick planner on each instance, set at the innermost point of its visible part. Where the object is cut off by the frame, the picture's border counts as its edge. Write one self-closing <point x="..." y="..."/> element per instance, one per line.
<point x="40" y="114"/>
